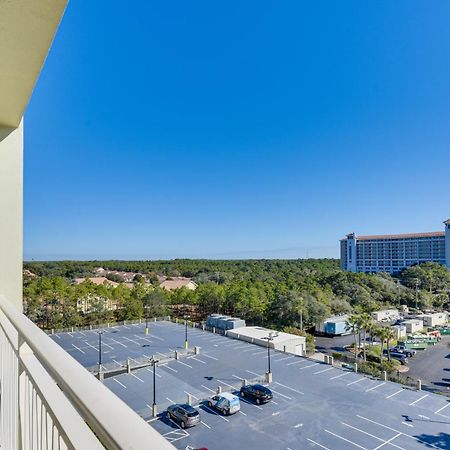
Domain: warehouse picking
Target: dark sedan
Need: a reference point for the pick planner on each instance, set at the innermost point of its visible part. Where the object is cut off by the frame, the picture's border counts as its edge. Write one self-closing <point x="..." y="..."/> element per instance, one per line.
<point x="256" y="392"/>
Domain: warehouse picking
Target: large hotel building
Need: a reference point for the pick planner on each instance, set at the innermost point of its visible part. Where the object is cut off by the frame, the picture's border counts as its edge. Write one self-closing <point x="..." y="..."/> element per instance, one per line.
<point x="394" y="252"/>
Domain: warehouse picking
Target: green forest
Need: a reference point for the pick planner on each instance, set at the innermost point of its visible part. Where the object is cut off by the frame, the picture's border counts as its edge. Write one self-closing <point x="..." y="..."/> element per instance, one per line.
<point x="278" y="293"/>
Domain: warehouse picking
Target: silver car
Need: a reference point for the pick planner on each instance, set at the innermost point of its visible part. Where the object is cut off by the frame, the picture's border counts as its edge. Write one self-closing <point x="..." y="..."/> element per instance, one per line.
<point x="183" y="414"/>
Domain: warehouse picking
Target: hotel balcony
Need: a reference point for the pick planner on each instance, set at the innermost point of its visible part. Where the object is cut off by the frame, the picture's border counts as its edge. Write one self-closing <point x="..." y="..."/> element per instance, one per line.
<point x="47" y="399"/>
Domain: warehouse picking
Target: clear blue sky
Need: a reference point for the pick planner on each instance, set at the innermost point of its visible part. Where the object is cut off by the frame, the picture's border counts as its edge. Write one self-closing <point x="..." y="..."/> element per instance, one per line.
<point x="238" y="128"/>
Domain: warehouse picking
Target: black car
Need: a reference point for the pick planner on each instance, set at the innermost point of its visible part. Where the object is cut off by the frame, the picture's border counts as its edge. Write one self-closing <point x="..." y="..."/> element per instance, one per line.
<point x="256" y="392"/>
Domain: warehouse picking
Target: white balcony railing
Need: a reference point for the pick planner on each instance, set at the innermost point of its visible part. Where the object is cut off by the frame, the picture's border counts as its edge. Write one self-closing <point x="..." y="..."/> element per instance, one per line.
<point x="49" y="401"/>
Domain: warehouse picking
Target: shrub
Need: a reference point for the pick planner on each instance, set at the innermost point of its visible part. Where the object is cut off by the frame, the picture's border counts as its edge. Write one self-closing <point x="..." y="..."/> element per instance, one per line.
<point x="337" y="355"/>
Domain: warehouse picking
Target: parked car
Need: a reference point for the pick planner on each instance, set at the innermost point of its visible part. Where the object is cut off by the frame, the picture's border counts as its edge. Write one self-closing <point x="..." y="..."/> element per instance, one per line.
<point x="398" y="356"/>
<point x="226" y="403"/>
<point x="256" y="392"/>
<point x="185" y="415"/>
<point x="406" y="351"/>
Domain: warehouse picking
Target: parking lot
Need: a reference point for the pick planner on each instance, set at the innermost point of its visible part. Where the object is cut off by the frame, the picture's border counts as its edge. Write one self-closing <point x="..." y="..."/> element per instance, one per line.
<point x="314" y="405"/>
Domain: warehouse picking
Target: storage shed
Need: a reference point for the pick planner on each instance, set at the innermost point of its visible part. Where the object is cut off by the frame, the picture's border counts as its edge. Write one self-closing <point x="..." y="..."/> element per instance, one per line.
<point x="334" y="326"/>
<point x="286" y="342"/>
<point x="413" y="325"/>
<point x="434" y="319"/>
<point x="385" y="315"/>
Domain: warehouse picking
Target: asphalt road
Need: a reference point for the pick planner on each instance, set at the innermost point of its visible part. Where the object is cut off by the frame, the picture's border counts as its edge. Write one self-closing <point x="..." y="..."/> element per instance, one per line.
<point x="314" y="405"/>
<point x="432" y="365"/>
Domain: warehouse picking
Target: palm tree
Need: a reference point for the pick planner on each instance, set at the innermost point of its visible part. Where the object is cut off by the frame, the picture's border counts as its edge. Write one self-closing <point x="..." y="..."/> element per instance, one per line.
<point x="365" y="323"/>
<point x="390" y="334"/>
<point x="380" y="332"/>
<point x="352" y="324"/>
<point x="371" y="328"/>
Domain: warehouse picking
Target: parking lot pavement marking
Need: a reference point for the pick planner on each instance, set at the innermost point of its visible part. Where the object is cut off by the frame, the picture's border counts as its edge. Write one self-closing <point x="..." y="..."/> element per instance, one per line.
<point x="79" y="349"/>
<point x="323" y="370"/>
<point x="295" y="362"/>
<point x="389" y="441"/>
<point x="193" y="358"/>
<point x="276" y="413"/>
<point x="408" y="424"/>
<point x="371" y="435"/>
<point x="254" y="373"/>
<point x="243" y="413"/>
<point x="424" y="417"/>
<point x="226" y="384"/>
<point x="250" y="403"/>
<point x="120" y="343"/>
<point x="284" y="358"/>
<point x="375" y="387"/>
<point x="206" y="425"/>
<point x="441" y="409"/>
<point x="70" y="334"/>
<point x="107" y="345"/>
<point x="171" y="401"/>
<point x="346" y="440"/>
<point x="209" y="356"/>
<point x="395" y="393"/>
<point x="341" y="375"/>
<point x="151" y="371"/>
<point x="239" y="378"/>
<point x="288" y="387"/>
<point x="319" y="445"/>
<point x="117" y="362"/>
<point x="184" y="364"/>
<point x="156" y="337"/>
<point x="280" y="394"/>
<point x="57" y="336"/>
<point x="117" y="381"/>
<point x="82" y="333"/>
<point x="215" y="412"/>
<point x="192" y="395"/>
<point x="356" y="381"/>
<point x="248" y="350"/>
<point x="131" y="340"/>
<point x="259" y="353"/>
<point x="207" y="388"/>
<point x="418" y="400"/>
<point x="90" y="345"/>
<point x="167" y="367"/>
<point x="143" y="339"/>
<point x="135" y="376"/>
<point x="310" y="365"/>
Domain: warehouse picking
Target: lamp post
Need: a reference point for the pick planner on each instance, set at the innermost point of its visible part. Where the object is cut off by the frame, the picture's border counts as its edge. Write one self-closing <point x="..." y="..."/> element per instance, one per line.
<point x="186" y="344"/>
<point x="269" y="338"/>
<point x="417" y="291"/>
<point x="154" y="408"/>
<point x="99" y="353"/>
<point x="146" y="319"/>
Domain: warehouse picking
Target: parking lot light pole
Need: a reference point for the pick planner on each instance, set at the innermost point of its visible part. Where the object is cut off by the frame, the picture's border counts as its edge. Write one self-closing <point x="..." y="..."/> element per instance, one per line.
<point x="154" y="408"/>
<point x="99" y="352"/>
<point x="269" y="338"/>
<point x="146" y="319"/>
<point x="186" y="344"/>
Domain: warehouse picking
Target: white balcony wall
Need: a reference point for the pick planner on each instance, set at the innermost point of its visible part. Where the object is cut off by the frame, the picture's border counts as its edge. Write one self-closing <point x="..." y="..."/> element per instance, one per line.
<point x="11" y="158"/>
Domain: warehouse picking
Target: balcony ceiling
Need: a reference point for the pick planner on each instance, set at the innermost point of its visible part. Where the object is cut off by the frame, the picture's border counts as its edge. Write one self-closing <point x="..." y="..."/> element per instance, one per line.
<point x="27" y="28"/>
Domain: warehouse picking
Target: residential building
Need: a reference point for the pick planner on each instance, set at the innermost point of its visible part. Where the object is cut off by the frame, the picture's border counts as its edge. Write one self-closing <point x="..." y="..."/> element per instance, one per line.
<point x="97" y="280"/>
<point x="395" y="252"/>
<point x="434" y="319"/>
<point x="48" y="400"/>
<point x="413" y="325"/>
<point x="170" y="284"/>
<point x="385" y="315"/>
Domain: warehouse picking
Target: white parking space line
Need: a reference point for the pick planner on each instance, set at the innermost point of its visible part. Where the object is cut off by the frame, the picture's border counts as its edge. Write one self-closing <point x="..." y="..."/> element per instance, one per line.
<point x="356" y="381"/>
<point x="375" y="387"/>
<point x="441" y="409"/>
<point x="216" y="413"/>
<point x="192" y="395"/>
<point x="243" y="413"/>
<point x="90" y="345"/>
<point x="107" y="345"/>
<point x="295" y="362"/>
<point x="345" y="439"/>
<point x="131" y="340"/>
<point x="306" y="367"/>
<point x="249" y="403"/>
<point x="171" y="401"/>
<point x="341" y="375"/>
<point x="254" y="373"/>
<point x="248" y="350"/>
<point x="288" y="387"/>
<point x="156" y="337"/>
<point x="418" y="400"/>
<point x="280" y="394"/>
<point x="259" y="353"/>
<point x="79" y="349"/>
<point x="117" y="362"/>
<point x="57" y="336"/>
<point x="193" y="358"/>
<point x="82" y="333"/>
<point x="319" y="445"/>
<point x="239" y="378"/>
<point x="209" y="356"/>
<point x="184" y="364"/>
<point x="389" y="441"/>
<point x="206" y="425"/>
<point x="207" y="388"/>
<point x="226" y="384"/>
<point x="135" y="376"/>
<point x="120" y="343"/>
<point x="167" y="367"/>
<point x="151" y="371"/>
<point x="70" y="334"/>
<point x="371" y="435"/>
<point x="395" y="393"/>
<point x="117" y="381"/>
<point x="143" y="339"/>
<point x="323" y="370"/>
<point x="284" y="358"/>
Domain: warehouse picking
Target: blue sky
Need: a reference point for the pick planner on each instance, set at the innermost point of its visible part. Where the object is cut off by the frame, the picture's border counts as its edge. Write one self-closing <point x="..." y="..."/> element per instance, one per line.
<point x="237" y="129"/>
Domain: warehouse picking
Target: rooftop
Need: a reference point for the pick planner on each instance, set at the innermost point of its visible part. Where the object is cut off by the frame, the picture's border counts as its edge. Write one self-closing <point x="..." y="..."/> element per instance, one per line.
<point x="399" y="236"/>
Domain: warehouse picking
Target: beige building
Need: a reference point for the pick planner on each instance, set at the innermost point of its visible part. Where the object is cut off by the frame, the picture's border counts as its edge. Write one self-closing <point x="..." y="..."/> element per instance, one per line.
<point x="385" y="315"/>
<point x="170" y="284"/>
<point x="98" y="281"/>
<point x="434" y="319"/>
<point x="413" y="325"/>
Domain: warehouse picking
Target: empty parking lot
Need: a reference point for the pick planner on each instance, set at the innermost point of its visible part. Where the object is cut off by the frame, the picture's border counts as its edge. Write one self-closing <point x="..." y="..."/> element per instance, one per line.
<point x="314" y="405"/>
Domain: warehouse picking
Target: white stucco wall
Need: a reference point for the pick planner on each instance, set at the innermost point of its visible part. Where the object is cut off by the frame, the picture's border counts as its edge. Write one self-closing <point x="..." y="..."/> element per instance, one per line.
<point x="11" y="165"/>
